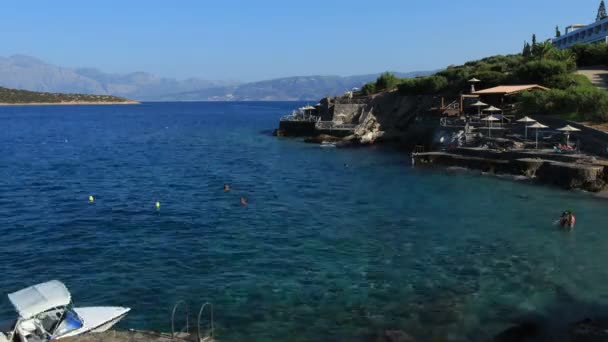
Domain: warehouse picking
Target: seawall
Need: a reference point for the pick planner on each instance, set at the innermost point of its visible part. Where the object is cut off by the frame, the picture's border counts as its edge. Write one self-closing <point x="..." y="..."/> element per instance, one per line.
<point x="565" y="171"/>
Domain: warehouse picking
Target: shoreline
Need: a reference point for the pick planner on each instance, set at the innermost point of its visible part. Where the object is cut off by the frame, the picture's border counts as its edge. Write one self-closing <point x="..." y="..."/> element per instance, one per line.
<point x="73" y="103"/>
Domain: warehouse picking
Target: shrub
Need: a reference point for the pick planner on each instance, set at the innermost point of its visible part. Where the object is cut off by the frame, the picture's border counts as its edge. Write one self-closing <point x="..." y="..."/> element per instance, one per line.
<point x="387" y="81"/>
<point x="369" y="88"/>
<point x="585" y="102"/>
<point x="423" y="85"/>
<point x="539" y="71"/>
<point x="590" y="54"/>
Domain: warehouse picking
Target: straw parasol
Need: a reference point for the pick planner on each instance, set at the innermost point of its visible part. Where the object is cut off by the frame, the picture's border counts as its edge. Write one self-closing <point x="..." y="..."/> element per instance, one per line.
<point x="567" y="130"/>
<point x="526" y="120"/>
<point x="538" y="126"/>
<point x="479" y="104"/>
<point x="473" y="81"/>
<point x="493" y="109"/>
<point x="490" y="119"/>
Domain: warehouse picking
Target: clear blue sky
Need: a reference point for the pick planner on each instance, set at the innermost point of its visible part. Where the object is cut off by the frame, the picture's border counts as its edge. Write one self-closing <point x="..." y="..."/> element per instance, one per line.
<point x="262" y="39"/>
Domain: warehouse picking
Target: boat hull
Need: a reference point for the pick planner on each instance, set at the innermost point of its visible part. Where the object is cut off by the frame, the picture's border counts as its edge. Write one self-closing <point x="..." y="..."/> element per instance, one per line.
<point x="97" y="319"/>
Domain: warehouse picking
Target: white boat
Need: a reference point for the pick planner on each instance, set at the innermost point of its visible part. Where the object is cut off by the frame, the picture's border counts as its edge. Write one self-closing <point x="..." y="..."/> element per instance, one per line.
<point x="46" y="313"/>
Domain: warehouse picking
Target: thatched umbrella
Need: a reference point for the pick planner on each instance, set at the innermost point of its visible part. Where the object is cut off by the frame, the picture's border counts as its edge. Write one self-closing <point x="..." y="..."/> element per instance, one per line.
<point x="473" y="81"/>
<point x="567" y="130"/>
<point x="538" y="126"/>
<point x="490" y="119"/>
<point x="479" y="104"/>
<point x="526" y="120"/>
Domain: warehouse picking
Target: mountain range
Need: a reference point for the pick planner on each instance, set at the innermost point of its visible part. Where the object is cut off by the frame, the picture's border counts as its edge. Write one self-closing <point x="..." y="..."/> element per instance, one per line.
<point x="30" y="73"/>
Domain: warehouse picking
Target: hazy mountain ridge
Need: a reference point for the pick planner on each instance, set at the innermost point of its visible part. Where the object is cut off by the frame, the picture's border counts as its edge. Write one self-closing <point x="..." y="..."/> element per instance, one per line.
<point x="30" y="73"/>
<point x="296" y="88"/>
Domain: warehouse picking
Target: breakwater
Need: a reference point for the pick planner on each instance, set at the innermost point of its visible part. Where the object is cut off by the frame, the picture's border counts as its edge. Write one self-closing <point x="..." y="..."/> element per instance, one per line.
<point x="137" y="336"/>
<point x="567" y="171"/>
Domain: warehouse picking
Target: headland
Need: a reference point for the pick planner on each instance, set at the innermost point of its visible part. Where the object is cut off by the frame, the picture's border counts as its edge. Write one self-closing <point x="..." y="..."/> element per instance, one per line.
<point x="520" y="118"/>
<point x="16" y="97"/>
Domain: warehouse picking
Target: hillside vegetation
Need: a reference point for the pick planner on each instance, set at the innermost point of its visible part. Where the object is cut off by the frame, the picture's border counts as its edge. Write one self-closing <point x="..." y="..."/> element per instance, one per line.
<point x="14" y="96"/>
<point x="571" y="95"/>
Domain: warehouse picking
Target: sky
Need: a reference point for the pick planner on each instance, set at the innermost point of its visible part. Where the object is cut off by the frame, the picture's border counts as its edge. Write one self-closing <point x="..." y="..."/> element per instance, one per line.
<point x="264" y="39"/>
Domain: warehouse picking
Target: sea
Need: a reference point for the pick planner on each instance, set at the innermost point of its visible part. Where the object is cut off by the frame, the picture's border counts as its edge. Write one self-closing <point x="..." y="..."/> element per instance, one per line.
<point x="333" y="245"/>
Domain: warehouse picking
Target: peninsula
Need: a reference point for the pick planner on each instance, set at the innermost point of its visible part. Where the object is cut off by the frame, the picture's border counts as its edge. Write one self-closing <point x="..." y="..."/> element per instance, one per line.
<point x="16" y="97"/>
<point x="538" y="114"/>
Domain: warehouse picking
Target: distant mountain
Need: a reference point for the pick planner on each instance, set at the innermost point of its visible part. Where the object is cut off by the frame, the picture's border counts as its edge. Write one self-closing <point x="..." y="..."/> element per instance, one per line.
<point x="298" y="88"/>
<point x="29" y="73"/>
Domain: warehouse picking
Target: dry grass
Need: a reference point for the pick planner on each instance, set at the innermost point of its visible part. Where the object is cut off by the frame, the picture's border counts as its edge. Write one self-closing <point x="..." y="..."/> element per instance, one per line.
<point x="599" y="126"/>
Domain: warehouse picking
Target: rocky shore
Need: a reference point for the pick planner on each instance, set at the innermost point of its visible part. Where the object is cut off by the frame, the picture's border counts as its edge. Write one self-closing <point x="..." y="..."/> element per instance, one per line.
<point x="413" y="123"/>
<point x="566" y="171"/>
<point x="136" y="336"/>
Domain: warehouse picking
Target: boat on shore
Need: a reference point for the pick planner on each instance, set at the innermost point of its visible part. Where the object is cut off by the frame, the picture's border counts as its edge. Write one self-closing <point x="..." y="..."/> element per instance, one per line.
<point x="46" y="313"/>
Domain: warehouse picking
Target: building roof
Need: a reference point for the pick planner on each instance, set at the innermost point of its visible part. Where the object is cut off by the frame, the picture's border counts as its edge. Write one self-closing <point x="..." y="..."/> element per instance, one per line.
<point x="510" y="89"/>
<point x="36" y="299"/>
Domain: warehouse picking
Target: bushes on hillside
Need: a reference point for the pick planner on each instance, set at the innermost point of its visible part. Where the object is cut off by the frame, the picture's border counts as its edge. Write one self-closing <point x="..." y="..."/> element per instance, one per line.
<point x="369" y="88"/>
<point x="541" y="71"/>
<point x="590" y="54"/>
<point x="423" y="85"/>
<point x="387" y="81"/>
<point x="581" y="101"/>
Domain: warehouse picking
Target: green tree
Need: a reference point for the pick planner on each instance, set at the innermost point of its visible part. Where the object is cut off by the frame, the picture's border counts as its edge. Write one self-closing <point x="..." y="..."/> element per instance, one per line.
<point x="369" y="88"/>
<point x="601" y="12"/>
<point x="539" y="71"/>
<point x="387" y="81"/>
<point x="527" y="52"/>
<point x="423" y="85"/>
<point x="558" y="33"/>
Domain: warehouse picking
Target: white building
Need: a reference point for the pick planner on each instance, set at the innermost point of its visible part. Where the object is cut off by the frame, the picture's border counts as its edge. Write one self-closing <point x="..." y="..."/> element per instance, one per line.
<point x="592" y="33"/>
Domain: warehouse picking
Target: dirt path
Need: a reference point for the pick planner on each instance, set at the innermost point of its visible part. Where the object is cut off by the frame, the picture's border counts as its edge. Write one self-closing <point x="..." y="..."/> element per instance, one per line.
<point x="598" y="75"/>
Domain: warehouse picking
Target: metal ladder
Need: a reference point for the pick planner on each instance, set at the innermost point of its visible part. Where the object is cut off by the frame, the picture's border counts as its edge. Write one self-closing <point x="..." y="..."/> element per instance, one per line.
<point x="184" y="333"/>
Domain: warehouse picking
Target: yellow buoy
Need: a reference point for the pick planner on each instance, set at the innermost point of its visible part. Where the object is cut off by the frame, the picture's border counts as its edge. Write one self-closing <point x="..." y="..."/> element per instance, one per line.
<point x="91" y="199"/>
<point x="157" y="205"/>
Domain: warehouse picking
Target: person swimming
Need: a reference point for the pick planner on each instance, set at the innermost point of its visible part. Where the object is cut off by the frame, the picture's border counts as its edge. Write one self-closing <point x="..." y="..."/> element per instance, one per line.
<point x="567" y="220"/>
<point x="243" y="201"/>
<point x="226" y="187"/>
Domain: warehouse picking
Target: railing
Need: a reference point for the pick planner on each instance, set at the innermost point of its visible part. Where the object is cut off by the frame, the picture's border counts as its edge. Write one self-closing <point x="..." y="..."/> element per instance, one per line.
<point x="184" y="333"/>
<point x="210" y="336"/>
<point x="301" y="118"/>
<point x="183" y="330"/>
<point x="334" y="125"/>
<point x="455" y="105"/>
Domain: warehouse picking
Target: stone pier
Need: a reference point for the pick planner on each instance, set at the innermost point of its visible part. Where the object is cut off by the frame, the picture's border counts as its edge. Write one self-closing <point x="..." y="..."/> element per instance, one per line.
<point x="136" y="336"/>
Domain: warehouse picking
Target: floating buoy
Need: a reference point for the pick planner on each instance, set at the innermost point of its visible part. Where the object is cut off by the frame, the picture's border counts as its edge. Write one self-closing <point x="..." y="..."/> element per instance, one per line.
<point x="91" y="199"/>
<point x="157" y="205"/>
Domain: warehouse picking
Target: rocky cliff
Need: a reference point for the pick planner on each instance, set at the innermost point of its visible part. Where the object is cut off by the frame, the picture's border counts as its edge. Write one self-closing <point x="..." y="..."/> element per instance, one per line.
<point x="379" y="118"/>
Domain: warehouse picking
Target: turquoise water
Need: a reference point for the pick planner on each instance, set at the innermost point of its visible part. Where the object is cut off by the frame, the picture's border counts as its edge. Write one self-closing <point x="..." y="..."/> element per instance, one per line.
<point x="335" y="244"/>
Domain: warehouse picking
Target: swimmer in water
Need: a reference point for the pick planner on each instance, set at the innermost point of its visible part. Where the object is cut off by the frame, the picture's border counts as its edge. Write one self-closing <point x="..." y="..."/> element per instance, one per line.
<point x="226" y="187"/>
<point x="567" y="220"/>
<point x="243" y="201"/>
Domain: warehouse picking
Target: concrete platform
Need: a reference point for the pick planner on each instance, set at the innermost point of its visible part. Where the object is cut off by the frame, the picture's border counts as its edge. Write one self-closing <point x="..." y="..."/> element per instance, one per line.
<point x="135" y="336"/>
